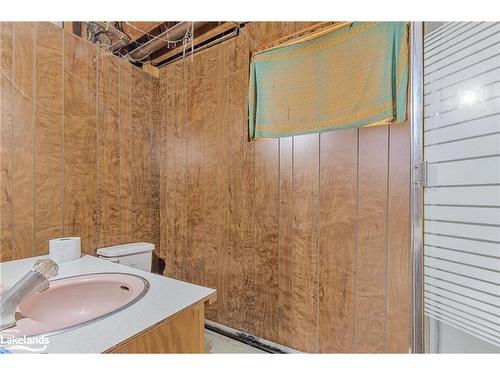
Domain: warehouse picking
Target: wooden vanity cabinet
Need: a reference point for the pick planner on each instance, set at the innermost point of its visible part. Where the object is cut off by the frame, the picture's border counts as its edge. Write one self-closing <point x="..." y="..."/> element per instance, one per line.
<point x="183" y="332"/>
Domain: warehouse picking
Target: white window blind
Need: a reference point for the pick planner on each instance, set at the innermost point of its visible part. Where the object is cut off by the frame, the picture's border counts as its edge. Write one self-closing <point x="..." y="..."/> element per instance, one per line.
<point x="462" y="197"/>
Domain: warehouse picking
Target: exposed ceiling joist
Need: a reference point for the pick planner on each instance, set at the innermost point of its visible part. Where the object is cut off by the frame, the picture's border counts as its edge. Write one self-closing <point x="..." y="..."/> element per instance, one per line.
<point x="136" y="30"/>
<point x="153" y="43"/>
<point x="203" y="36"/>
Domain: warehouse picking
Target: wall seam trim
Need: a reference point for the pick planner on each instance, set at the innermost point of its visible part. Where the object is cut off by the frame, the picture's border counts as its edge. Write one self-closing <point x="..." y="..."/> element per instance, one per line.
<point x="355" y="265"/>
<point x="97" y="212"/>
<point x="63" y="119"/>
<point x="387" y="231"/>
<point x="35" y="113"/>
<point x="13" y="132"/>
<point x="318" y="232"/>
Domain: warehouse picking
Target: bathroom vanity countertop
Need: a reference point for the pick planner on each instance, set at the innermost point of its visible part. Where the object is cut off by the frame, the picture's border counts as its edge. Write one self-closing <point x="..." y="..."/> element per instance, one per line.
<point x="165" y="298"/>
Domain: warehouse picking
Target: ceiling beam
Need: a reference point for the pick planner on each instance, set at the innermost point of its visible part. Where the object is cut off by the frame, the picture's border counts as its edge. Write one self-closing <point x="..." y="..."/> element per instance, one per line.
<point x="77" y="28"/>
<point x="153" y="70"/>
<point x="136" y="30"/>
<point x="164" y="54"/>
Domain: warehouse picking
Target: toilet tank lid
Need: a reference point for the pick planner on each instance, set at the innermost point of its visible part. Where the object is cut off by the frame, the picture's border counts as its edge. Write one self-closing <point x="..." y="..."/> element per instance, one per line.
<point x="125" y="249"/>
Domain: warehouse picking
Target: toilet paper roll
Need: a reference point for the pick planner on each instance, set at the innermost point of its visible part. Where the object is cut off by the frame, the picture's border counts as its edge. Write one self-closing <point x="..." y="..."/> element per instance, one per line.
<point x="65" y="249"/>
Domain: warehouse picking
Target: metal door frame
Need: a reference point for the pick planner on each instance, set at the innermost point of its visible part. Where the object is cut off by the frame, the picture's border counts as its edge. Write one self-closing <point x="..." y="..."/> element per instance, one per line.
<point x="417" y="184"/>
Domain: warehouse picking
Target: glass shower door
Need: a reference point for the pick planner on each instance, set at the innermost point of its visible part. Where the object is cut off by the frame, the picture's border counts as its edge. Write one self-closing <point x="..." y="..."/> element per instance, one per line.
<point x="462" y="188"/>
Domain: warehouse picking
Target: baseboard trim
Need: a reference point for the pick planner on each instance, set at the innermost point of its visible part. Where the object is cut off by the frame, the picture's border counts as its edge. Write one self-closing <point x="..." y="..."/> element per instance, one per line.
<point x="245" y="338"/>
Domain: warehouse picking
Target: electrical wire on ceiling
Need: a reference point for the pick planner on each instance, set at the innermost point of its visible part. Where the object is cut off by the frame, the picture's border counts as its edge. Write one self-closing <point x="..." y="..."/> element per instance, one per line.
<point x="121" y="44"/>
<point x="99" y="34"/>
<point x="174" y="42"/>
<point x="95" y="33"/>
<point x="187" y="38"/>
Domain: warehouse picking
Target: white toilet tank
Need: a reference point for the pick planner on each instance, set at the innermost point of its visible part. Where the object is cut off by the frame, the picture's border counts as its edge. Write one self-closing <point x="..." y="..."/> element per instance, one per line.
<point x="138" y="255"/>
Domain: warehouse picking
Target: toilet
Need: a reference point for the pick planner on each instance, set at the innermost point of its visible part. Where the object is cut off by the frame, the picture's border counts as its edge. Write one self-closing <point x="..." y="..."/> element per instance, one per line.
<point x="137" y="255"/>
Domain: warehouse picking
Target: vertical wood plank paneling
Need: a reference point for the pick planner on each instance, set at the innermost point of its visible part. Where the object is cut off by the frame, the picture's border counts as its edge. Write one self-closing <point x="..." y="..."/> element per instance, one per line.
<point x="147" y="172"/>
<point x="6" y="142"/>
<point x="231" y="135"/>
<point x="246" y="250"/>
<point x="194" y="189"/>
<point x="108" y="151"/>
<point x="125" y="127"/>
<point x="285" y="270"/>
<point x="210" y="172"/>
<point x="398" y="314"/>
<point x="224" y="160"/>
<point x="261" y="33"/>
<point x="155" y="142"/>
<point x="338" y="223"/>
<point x="49" y="165"/>
<point x="71" y="166"/>
<point x="167" y="197"/>
<point x="266" y="237"/>
<point x="140" y="155"/>
<point x="305" y="241"/>
<point x="240" y="262"/>
<point x="372" y="240"/>
<point x="179" y="173"/>
<point x="269" y="208"/>
<point x="163" y="170"/>
<point x="80" y="141"/>
<point x="24" y="138"/>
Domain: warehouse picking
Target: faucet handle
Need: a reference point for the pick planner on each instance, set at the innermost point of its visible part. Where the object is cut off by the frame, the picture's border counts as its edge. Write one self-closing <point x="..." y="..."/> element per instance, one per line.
<point x="47" y="268"/>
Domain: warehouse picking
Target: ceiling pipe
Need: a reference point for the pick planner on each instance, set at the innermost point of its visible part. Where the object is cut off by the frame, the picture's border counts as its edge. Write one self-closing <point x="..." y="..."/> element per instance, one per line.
<point x="174" y="33"/>
<point x="123" y="39"/>
<point x="201" y="48"/>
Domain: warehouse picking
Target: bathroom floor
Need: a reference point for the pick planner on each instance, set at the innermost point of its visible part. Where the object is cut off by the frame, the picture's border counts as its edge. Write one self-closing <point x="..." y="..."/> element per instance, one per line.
<point x="219" y="344"/>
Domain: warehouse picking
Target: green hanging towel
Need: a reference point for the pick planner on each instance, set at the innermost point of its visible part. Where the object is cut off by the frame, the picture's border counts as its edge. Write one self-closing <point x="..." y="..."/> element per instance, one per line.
<point x="353" y="77"/>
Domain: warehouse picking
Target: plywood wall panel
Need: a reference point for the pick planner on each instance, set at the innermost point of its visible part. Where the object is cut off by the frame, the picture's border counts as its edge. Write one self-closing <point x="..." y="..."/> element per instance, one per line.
<point x="371" y="260"/>
<point x="246" y="249"/>
<point x="338" y="240"/>
<point x="24" y="138"/>
<point x="194" y="136"/>
<point x="305" y="242"/>
<point x="178" y="172"/>
<point x="126" y="184"/>
<point x="262" y="33"/>
<point x="163" y="152"/>
<point x="6" y="142"/>
<point x="239" y="274"/>
<point x="212" y="226"/>
<point x="224" y="159"/>
<point x="141" y="154"/>
<point x="67" y="165"/>
<point x="49" y="176"/>
<point x="108" y="151"/>
<point x="398" y="321"/>
<point x="285" y="269"/>
<point x="266" y="237"/>
<point x="80" y="141"/>
<point x="166" y="196"/>
<point x="279" y="217"/>
<point x="155" y="142"/>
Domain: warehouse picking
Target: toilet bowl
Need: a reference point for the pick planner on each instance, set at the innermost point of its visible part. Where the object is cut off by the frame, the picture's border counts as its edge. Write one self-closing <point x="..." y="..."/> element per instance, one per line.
<point x="136" y="255"/>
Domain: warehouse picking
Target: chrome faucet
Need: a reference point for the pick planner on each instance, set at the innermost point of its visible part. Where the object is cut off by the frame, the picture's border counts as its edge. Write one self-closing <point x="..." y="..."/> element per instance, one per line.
<point x="36" y="280"/>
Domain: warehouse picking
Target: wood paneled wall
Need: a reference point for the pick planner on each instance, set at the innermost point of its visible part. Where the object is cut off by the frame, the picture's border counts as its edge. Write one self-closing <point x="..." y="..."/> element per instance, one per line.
<point x="306" y="238"/>
<point x="77" y="134"/>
